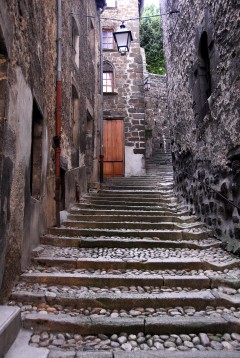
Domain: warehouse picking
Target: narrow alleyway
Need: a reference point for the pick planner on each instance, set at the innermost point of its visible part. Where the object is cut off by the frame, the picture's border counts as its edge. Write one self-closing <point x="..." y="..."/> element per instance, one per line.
<point x="131" y="271"/>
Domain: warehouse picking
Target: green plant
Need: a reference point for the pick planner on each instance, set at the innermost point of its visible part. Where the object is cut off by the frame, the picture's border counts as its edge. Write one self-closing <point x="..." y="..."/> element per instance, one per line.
<point x="151" y="40"/>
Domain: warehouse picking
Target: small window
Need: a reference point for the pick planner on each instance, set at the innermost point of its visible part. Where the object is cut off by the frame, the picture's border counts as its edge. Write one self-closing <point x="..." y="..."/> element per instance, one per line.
<point x="107" y="40"/>
<point x="204" y="72"/>
<point x="108" y="77"/>
<point x="75" y="42"/>
<point x="108" y="82"/>
<point x="111" y="3"/>
<point x="36" y="152"/>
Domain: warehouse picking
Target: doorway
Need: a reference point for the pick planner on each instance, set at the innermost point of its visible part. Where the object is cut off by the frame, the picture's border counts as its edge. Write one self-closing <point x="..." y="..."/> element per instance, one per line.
<point x="113" y="142"/>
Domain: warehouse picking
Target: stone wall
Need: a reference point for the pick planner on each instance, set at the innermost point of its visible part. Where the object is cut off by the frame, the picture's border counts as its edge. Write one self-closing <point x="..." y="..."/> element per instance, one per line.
<point x="27" y="121"/>
<point x="127" y="100"/>
<point x="80" y="84"/>
<point x="202" y="53"/>
<point x="157" y="131"/>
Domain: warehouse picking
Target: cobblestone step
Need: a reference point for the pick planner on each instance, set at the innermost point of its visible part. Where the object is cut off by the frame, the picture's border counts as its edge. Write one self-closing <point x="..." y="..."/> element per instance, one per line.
<point x="130" y="201"/>
<point x="127" y="272"/>
<point x="129" y="242"/>
<point x="132" y="218"/>
<point x="172" y="207"/>
<point x="134" y="212"/>
<point x="186" y="264"/>
<point x="186" y="234"/>
<point x="151" y="325"/>
<point x="117" y="298"/>
<point x="110" y="280"/>
<point x="131" y="225"/>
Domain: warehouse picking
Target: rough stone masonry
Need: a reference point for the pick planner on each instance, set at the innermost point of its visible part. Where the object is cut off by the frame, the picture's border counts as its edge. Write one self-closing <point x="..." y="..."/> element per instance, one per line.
<point x="203" y="73"/>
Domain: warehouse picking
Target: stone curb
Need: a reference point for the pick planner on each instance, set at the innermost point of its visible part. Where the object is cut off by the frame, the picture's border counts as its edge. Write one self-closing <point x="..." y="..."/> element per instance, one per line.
<point x="151" y="325"/>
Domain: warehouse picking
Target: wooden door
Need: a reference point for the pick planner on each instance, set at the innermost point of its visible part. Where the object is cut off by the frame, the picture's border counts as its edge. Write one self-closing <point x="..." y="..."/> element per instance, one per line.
<point x="113" y="141"/>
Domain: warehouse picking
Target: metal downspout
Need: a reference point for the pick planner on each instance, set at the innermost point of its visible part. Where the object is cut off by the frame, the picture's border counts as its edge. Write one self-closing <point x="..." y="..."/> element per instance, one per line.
<point x="57" y="138"/>
<point x="101" y="95"/>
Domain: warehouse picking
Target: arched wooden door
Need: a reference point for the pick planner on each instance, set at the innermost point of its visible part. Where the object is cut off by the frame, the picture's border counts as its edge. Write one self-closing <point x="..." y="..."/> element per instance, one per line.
<point x="113" y="142"/>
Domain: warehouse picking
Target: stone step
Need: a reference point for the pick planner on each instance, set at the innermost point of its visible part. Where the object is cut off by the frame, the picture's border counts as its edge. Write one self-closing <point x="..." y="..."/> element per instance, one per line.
<point x="165" y="176"/>
<point x="187" y="234"/>
<point x="139" y="188"/>
<point x="131" y="218"/>
<point x="128" y="201"/>
<point x="10" y="324"/>
<point x="114" y="242"/>
<point x="137" y="178"/>
<point x="102" y="342"/>
<point x="128" y="263"/>
<point x="111" y="206"/>
<point x="198" y="299"/>
<point x="108" y="325"/>
<point x="156" y="163"/>
<point x="131" y="196"/>
<point x="130" y="225"/>
<point x="113" y="280"/>
<point x="133" y="212"/>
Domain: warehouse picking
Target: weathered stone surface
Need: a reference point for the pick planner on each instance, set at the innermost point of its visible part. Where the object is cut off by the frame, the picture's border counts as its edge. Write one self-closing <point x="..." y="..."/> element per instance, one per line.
<point x="28" y="55"/>
<point x="128" y="101"/>
<point x="204" y="110"/>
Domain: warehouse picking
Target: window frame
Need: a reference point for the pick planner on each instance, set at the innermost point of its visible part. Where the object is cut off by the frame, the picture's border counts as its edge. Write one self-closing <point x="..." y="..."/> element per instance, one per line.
<point x="105" y="45"/>
<point x="111" y="6"/>
<point x="75" y="42"/>
<point x="106" y="81"/>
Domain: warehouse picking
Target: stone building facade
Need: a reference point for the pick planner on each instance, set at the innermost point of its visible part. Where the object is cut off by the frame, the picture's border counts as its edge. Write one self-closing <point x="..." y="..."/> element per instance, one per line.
<point x="202" y="53"/>
<point x="123" y="88"/>
<point x="28" y="59"/>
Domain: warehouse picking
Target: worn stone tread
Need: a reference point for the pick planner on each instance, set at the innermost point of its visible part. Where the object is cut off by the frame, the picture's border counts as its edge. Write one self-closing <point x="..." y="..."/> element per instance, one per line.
<point x="166" y="354"/>
<point x="199" y="299"/>
<point x="109" y="280"/>
<point x="64" y="241"/>
<point x="130" y="225"/>
<point x="150" y="264"/>
<point x="108" y="325"/>
<point x="183" y="234"/>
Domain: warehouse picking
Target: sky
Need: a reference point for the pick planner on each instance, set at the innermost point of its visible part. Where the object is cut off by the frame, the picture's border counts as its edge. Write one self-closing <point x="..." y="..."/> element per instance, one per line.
<point x="149" y="2"/>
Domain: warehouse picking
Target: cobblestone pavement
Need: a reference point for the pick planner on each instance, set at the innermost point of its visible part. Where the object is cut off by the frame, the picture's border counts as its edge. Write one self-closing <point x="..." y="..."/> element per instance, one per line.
<point x="131" y="292"/>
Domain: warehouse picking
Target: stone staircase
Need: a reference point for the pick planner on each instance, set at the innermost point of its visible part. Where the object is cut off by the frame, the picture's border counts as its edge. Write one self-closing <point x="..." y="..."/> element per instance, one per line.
<point x="130" y="274"/>
<point x="159" y="163"/>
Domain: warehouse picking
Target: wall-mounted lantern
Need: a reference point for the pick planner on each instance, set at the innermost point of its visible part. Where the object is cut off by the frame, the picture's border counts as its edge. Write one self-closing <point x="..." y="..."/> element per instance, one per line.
<point x="123" y="38"/>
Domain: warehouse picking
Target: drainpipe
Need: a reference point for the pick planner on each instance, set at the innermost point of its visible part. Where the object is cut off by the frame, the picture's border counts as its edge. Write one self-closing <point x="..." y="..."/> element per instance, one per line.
<point x="57" y="138"/>
<point x="101" y="95"/>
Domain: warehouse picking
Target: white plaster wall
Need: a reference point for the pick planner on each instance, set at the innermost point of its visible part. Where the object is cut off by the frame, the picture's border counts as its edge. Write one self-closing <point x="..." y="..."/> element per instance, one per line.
<point x="134" y="163"/>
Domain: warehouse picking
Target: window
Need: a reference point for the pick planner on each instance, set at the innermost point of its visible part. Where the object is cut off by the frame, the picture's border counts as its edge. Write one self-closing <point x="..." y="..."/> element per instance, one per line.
<point x="204" y="69"/>
<point x="75" y="127"/>
<point x="108" y="77"/>
<point x="75" y="42"/>
<point x="111" y="3"/>
<point x="36" y="152"/>
<point x="107" y="39"/>
<point x="107" y="81"/>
